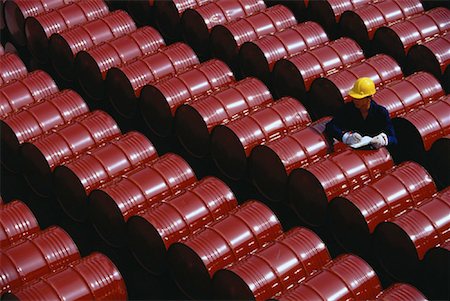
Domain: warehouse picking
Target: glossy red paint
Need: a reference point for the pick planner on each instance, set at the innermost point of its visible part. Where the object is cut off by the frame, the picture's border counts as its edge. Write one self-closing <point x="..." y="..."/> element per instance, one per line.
<point x="257" y="58"/>
<point x="17" y="221"/>
<point x="402" y="243"/>
<point x="124" y="84"/>
<point x="354" y="216"/>
<point x="94" y="277"/>
<point x="11" y="68"/>
<point x="160" y="100"/>
<point x="194" y="121"/>
<point x="410" y="93"/>
<point x="346" y="277"/>
<point x="226" y="39"/>
<point x="74" y="181"/>
<point x="35" y="256"/>
<point x="330" y="92"/>
<point x="41" y="155"/>
<point x="396" y="40"/>
<point x="271" y="164"/>
<point x="279" y="267"/>
<point x="65" y="45"/>
<point x="232" y="143"/>
<point x="401" y="292"/>
<point x="293" y="76"/>
<point x="143" y="187"/>
<point x="153" y="231"/>
<point x="39" y="28"/>
<point x="311" y="188"/>
<point x="197" y="22"/>
<point x="194" y="262"/>
<point x="92" y="65"/>
<point x="24" y="91"/>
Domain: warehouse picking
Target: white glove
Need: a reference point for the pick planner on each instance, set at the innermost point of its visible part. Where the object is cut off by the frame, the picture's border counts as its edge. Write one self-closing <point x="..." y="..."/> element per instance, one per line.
<point x="350" y="138"/>
<point x="379" y="140"/>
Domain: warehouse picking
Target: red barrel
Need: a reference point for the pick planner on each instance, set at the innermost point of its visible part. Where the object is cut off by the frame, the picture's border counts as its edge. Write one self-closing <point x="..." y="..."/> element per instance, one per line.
<point x="40" y="156"/>
<point x="330" y="92"/>
<point x="226" y="39"/>
<point x="354" y="217"/>
<point x="194" y="121"/>
<point x="418" y="130"/>
<point x="340" y="173"/>
<point x="16" y="222"/>
<point x="143" y="187"/>
<point x="74" y="181"/>
<point x="65" y="45"/>
<point x="232" y="143"/>
<point x="361" y="23"/>
<point x="397" y="39"/>
<point x="92" y="65"/>
<point x="401" y="292"/>
<point x="258" y="58"/>
<point x="299" y="7"/>
<point x="197" y="23"/>
<point x="328" y="13"/>
<point x="293" y="76"/>
<point x="153" y="231"/>
<point x="36" y="119"/>
<point x="11" y="67"/>
<point x="2" y="51"/>
<point x="432" y="56"/>
<point x="279" y="267"/>
<point x="439" y="161"/>
<point x="141" y="11"/>
<point x="94" y="277"/>
<point x="347" y="277"/>
<point x="194" y="261"/>
<point x="271" y="164"/>
<point x="436" y="271"/>
<point x="17" y="11"/>
<point x="401" y="243"/>
<point x="38" y="29"/>
<point x="22" y="92"/>
<point x="159" y="101"/>
<point x="410" y="93"/>
<point x="168" y="14"/>
<point x="124" y="83"/>
<point x="35" y="256"/>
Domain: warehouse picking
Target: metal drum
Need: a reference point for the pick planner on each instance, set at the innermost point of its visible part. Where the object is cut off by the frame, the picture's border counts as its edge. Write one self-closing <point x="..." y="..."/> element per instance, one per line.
<point x="141" y="11"/>
<point x="64" y="46"/>
<point x="11" y="68"/>
<point x="439" y="162"/>
<point x="197" y="22"/>
<point x="402" y="243"/>
<point x="353" y="217"/>
<point x="153" y="231"/>
<point x="232" y="143"/>
<point x="329" y="93"/>
<point x="194" y="121"/>
<point x="38" y="29"/>
<point x="436" y="271"/>
<point x="92" y="65"/>
<point x="24" y="91"/>
<point x="143" y="187"/>
<point x="40" y="156"/>
<point x="74" y="181"/>
<point x="124" y="84"/>
<point x="17" y="221"/>
<point x="299" y="7"/>
<point x="271" y="164"/>
<point x="294" y="75"/>
<point x="311" y="188"/>
<point x="36" y="119"/>
<point x="279" y="267"/>
<point x="401" y="292"/>
<point x="159" y="101"/>
<point x="194" y="262"/>
<point x="257" y="58"/>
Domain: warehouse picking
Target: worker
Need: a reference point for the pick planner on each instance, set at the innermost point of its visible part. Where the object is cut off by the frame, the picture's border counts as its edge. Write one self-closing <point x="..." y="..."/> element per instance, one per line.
<point x="362" y="117"/>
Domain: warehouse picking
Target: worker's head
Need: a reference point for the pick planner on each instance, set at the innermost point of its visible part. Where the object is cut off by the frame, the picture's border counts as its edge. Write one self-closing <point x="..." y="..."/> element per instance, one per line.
<point x="362" y="92"/>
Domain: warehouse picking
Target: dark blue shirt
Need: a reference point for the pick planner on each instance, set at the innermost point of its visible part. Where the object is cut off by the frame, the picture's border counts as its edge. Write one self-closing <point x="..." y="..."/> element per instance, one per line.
<point x="349" y="118"/>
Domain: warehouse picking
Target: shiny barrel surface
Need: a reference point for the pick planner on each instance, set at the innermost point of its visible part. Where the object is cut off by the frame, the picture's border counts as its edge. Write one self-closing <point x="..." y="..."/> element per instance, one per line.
<point x="11" y="67"/>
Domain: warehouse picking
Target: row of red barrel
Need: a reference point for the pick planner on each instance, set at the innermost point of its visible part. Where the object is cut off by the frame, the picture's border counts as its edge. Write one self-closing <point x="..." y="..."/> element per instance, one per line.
<point x="46" y="264"/>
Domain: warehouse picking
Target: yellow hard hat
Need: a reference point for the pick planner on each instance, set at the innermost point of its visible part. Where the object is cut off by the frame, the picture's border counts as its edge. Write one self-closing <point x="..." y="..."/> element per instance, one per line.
<point x="363" y="87"/>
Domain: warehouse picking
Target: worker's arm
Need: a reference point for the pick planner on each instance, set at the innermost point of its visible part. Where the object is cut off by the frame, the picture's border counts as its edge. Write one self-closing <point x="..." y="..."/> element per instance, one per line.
<point x="389" y="129"/>
<point x="336" y="127"/>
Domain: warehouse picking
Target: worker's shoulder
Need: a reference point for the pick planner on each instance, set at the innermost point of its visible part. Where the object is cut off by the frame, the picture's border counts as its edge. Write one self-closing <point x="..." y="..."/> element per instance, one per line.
<point x="379" y="108"/>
